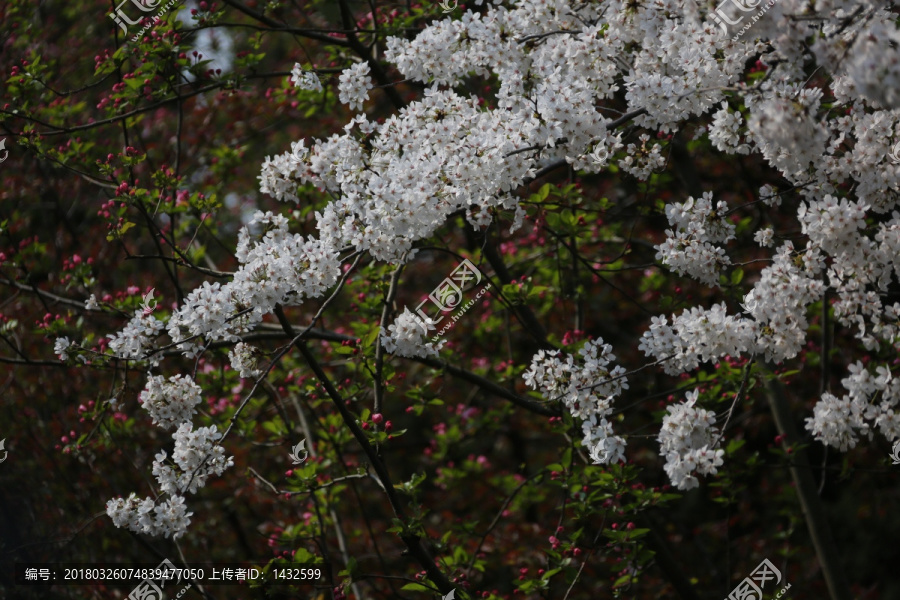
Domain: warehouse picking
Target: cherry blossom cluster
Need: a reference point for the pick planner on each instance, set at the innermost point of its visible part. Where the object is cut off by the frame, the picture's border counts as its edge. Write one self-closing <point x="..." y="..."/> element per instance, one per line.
<point x="355" y="84"/>
<point x="170" y="403"/>
<point x="305" y="80"/>
<point x="168" y="518"/>
<point x="863" y="50"/>
<point x="869" y="405"/>
<point x="725" y="131"/>
<point x="774" y="326"/>
<point x="596" y="160"/>
<point x="785" y="128"/>
<point x="780" y="299"/>
<point x="587" y="389"/>
<point x="765" y="237"/>
<point x="688" y="439"/>
<point x="406" y="336"/>
<point x="245" y="360"/>
<point x="136" y="339"/>
<point x="278" y="268"/>
<point x="438" y="155"/>
<point x="697" y="335"/>
<point x="61" y="347"/>
<point x="197" y="455"/>
<point x="690" y="247"/>
<point x="641" y="161"/>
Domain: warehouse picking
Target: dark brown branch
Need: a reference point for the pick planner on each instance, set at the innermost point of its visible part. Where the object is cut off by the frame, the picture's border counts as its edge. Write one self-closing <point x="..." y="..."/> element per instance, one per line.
<point x="181" y="263"/>
<point x="548" y="410"/>
<point x="413" y="542"/>
<point x="486" y="385"/>
<point x="377" y="70"/>
<point x="810" y="503"/>
<point x="33" y="363"/>
<point x="522" y="313"/>
<point x="276" y="26"/>
<point x="60" y="130"/>
<point x="379" y="349"/>
<point x="47" y="295"/>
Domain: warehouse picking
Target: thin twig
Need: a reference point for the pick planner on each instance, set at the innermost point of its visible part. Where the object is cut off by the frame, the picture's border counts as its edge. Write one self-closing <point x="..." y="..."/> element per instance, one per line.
<point x="737" y="397"/>
<point x="498" y="516"/>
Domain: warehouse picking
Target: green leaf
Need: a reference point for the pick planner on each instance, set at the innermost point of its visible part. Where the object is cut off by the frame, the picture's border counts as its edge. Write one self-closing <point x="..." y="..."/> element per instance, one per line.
<point x="304" y="556"/>
<point x="352" y="568"/>
<point x="416" y="587"/>
<point x="550" y="573"/>
<point x="553" y="220"/>
<point x="543" y="192"/>
<point x="371" y="336"/>
<point x="273" y="427"/>
<point x="636" y="533"/>
<point x="733" y="446"/>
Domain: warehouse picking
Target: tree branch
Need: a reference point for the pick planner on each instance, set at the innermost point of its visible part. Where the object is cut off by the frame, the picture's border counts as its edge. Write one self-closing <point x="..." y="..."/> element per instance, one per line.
<point x="276" y="26"/>
<point x="413" y="542"/>
<point x="548" y="410"/>
<point x="377" y="70"/>
<point x="485" y="384"/>
<point x="810" y="503"/>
